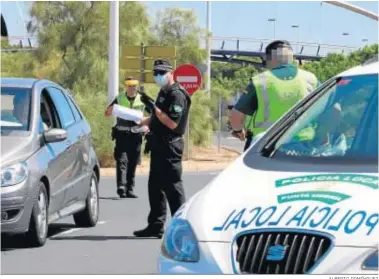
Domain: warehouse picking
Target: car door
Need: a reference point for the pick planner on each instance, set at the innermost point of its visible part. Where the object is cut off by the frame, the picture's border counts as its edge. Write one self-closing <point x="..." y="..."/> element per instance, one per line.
<point x="84" y="170"/>
<point x="71" y="151"/>
<point x="55" y="154"/>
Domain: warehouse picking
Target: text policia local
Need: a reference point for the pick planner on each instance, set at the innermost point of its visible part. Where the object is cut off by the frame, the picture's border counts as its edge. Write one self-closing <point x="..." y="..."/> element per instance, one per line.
<point x="325" y="218"/>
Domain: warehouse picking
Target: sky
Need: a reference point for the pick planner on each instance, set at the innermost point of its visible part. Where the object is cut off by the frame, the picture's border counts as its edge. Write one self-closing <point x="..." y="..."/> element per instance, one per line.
<point x="317" y="23"/>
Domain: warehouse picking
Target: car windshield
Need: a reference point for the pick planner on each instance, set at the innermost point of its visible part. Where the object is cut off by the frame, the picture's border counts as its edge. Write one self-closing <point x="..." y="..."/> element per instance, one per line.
<point x="342" y="123"/>
<point x="15" y="109"/>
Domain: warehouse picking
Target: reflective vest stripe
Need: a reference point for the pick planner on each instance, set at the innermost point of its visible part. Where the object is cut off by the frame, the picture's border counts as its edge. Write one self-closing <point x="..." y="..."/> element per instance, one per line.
<point x="266" y="100"/>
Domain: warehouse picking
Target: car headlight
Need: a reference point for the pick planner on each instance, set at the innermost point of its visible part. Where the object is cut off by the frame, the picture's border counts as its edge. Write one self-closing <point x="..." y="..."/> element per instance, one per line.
<point x="14" y="174"/>
<point x="371" y="262"/>
<point x="180" y="243"/>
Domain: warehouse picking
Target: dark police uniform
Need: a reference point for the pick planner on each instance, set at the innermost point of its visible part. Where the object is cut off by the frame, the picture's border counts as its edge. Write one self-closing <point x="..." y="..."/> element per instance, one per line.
<point x="127" y="152"/>
<point x="166" y="147"/>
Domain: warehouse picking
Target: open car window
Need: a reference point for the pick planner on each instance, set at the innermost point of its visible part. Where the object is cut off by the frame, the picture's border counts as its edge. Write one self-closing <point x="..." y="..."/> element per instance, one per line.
<point x="342" y="123"/>
<point x="49" y="118"/>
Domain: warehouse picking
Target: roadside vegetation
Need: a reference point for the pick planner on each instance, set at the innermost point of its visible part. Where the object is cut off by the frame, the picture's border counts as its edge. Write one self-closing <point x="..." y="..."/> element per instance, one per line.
<point x="72" y="51"/>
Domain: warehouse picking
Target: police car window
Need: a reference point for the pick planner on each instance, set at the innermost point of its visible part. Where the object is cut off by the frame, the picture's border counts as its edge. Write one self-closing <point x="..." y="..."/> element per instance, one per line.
<point x="65" y="114"/>
<point x="329" y="127"/>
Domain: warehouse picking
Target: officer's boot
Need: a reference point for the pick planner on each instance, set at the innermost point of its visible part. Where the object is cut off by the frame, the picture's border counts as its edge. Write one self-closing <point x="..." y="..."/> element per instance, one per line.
<point x="150" y="231"/>
<point x="130" y="193"/>
<point x="121" y="191"/>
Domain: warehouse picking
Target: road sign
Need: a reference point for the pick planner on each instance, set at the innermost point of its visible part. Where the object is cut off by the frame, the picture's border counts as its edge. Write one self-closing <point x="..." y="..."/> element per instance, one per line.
<point x="189" y="77"/>
<point x="138" y="60"/>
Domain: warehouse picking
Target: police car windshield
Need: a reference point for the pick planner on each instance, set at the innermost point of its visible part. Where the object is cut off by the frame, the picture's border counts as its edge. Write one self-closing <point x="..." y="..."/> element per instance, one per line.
<point x="15" y="109"/>
<point x="342" y="123"/>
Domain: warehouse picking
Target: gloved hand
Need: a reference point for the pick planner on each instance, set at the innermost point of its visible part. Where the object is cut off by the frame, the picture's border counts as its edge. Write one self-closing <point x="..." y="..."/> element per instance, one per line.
<point x="148" y="101"/>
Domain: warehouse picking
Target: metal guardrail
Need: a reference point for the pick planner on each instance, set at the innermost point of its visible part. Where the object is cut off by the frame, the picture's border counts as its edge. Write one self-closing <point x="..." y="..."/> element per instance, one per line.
<point x="264" y="41"/>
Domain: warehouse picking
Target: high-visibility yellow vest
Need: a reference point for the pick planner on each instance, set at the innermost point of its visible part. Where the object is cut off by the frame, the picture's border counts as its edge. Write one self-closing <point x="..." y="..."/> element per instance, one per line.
<point x="122" y="100"/>
<point x="276" y="96"/>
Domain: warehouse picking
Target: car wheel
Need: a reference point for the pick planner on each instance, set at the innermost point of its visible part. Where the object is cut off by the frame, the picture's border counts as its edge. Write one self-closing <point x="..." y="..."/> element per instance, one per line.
<point x="38" y="227"/>
<point x="90" y="215"/>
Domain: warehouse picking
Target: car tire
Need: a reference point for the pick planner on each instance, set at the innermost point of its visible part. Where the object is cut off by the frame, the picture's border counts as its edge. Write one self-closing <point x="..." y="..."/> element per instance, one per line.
<point x="90" y="215"/>
<point x="38" y="227"/>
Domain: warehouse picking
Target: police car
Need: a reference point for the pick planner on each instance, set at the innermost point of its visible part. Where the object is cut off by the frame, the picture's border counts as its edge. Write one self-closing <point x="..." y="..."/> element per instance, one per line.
<point x="303" y="199"/>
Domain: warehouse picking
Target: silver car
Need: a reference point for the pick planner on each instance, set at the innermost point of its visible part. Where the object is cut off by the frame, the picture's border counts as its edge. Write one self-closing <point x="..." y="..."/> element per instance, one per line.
<point x="49" y="169"/>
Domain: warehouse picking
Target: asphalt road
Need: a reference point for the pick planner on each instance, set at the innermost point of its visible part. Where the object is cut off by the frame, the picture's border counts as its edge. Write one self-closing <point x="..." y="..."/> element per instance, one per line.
<point x="108" y="248"/>
<point x="226" y="140"/>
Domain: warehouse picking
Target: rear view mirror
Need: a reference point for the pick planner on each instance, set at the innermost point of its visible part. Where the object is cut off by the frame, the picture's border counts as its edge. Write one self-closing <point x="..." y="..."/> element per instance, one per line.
<point x="55" y="135"/>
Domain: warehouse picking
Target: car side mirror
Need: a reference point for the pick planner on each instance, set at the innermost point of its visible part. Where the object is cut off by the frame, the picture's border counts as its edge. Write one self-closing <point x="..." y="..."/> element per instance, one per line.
<point x="55" y="135"/>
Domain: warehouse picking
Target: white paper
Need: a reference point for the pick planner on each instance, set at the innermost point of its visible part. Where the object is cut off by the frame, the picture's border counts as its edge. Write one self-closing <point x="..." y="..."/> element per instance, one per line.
<point x="127" y="113"/>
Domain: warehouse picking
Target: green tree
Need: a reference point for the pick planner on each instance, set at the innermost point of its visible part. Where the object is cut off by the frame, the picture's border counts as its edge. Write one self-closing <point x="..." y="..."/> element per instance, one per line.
<point x="178" y="27"/>
<point x="336" y="63"/>
<point x="78" y="33"/>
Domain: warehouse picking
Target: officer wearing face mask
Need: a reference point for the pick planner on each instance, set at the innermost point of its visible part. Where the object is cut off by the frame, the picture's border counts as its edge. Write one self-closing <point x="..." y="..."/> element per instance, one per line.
<point x="167" y="125"/>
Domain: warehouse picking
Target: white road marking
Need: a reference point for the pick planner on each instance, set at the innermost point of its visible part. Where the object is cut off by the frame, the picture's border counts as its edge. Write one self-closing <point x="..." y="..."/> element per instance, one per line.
<point x="69" y="231"/>
<point x="76" y="229"/>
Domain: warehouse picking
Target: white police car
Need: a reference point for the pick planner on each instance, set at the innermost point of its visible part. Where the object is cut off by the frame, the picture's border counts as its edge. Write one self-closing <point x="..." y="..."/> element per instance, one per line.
<point x="302" y="200"/>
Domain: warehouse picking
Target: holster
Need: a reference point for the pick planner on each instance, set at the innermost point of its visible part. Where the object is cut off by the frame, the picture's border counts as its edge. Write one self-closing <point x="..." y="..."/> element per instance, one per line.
<point x="114" y="133"/>
<point x="147" y="144"/>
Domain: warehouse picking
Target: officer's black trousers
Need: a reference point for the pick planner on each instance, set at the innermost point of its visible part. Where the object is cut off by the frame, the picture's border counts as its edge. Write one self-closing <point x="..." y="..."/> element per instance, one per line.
<point x="165" y="180"/>
<point x="249" y="138"/>
<point x="127" y="154"/>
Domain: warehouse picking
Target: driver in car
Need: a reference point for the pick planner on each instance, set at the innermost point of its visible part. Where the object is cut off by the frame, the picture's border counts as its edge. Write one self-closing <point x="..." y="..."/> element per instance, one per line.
<point x="324" y="138"/>
<point x="20" y="109"/>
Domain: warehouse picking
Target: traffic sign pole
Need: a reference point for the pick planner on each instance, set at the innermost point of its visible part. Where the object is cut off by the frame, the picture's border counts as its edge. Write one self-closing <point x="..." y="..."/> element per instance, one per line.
<point x="189" y="77"/>
<point x="113" y="50"/>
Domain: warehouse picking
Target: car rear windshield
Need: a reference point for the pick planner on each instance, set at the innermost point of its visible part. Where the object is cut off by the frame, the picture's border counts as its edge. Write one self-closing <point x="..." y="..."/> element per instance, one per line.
<point x="342" y="123"/>
<point x="15" y="109"/>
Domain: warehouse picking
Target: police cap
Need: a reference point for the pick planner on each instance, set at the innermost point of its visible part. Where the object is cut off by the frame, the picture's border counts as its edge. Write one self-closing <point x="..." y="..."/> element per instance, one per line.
<point x="162" y="65"/>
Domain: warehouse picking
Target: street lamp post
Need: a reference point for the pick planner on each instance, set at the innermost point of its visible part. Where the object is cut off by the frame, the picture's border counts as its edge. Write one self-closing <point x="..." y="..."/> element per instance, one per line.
<point x="297" y="37"/>
<point x="345" y="34"/>
<point x="208" y="46"/>
<point x="274" y="22"/>
<point x="364" y="40"/>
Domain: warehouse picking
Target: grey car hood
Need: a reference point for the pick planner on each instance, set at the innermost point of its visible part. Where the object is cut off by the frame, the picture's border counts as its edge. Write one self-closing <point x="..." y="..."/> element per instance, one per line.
<point x="16" y="149"/>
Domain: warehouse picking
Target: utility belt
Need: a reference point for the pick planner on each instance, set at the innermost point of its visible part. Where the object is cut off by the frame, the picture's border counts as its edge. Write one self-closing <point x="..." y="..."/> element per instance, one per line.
<point x="118" y="131"/>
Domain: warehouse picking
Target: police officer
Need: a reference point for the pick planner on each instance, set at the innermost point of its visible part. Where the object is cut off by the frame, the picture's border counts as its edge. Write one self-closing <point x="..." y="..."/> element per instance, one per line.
<point x="167" y="125"/>
<point x="271" y="93"/>
<point x="128" y="136"/>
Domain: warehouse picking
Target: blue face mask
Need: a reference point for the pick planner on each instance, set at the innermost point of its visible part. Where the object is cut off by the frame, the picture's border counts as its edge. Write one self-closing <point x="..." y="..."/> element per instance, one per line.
<point x="161" y="80"/>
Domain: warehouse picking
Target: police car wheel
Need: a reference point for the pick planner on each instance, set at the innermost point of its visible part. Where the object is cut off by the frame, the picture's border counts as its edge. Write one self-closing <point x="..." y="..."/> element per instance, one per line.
<point x="90" y="215"/>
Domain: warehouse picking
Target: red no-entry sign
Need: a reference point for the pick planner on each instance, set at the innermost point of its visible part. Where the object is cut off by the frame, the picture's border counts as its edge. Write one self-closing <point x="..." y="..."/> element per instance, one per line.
<point x="189" y="77"/>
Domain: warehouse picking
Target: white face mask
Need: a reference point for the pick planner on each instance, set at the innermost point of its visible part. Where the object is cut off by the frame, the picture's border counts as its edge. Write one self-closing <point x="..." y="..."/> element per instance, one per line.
<point x="161" y="80"/>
